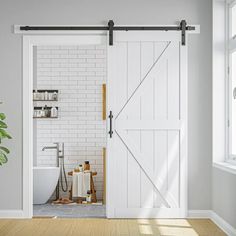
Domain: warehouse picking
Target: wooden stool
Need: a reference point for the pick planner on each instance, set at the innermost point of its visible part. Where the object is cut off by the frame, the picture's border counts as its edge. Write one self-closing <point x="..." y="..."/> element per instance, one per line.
<point x="92" y="188"/>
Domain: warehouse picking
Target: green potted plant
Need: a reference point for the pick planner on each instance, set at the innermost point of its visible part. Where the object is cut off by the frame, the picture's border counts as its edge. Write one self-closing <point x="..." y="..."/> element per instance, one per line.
<point x="3" y="135"/>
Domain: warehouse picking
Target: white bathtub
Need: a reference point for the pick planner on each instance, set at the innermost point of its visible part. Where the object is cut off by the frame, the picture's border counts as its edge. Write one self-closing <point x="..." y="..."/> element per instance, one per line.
<point x="45" y="182"/>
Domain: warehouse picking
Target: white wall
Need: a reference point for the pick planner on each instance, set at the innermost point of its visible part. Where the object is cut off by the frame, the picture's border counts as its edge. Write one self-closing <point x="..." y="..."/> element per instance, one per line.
<point x="98" y="12"/>
<point x="223" y="183"/>
<point x="224" y="195"/>
<point x="78" y="72"/>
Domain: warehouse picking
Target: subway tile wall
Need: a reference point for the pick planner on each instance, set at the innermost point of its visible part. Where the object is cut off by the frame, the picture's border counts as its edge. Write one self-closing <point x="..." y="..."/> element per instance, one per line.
<point x="78" y="72"/>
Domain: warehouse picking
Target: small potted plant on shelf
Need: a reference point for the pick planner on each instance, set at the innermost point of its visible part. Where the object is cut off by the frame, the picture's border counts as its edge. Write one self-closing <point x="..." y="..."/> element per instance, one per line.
<point x="3" y="135"/>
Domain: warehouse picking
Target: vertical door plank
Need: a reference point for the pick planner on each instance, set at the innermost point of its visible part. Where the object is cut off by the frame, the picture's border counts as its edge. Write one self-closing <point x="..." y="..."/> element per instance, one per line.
<point x="161" y="163"/>
<point x="161" y="80"/>
<point x="160" y="111"/>
<point x="173" y="164"/>
<point x="134" y="78"/>
<point x="120" y="150"/>
<point x="121" y="73"/>
<point x="147" y="104"/>
<point x="172" y="57"/>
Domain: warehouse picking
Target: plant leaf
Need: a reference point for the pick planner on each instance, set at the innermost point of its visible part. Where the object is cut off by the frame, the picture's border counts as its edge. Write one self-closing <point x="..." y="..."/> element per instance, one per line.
<point x="4" y="134"/>
<point x="6" y="150"/>
<point x="3" y="124"/>
<point x="2" y="116"/>
<point x="3" y="158"/>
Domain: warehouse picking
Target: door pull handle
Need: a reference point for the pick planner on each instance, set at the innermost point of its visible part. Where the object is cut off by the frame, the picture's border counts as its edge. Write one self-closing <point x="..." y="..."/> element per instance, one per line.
<point x="110" y="118"/>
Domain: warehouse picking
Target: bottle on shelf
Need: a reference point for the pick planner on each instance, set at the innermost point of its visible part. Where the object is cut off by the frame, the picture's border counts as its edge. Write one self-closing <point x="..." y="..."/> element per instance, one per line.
<point x="88" y="197"/>
<point x="41" y="96"/>
<point x="80" y="168"/>
<point x="86" y="165"/>
<point x="54" y="96"/>
<point x="46" y="95"/>
<point x="50" y="96"/>
<point x="53" y="112"/>
<point x="47" y="111"/>
<point x="35" y="114"/>
<point x="43" y="112"/>
<point x="34" y="94"/>
<point x="39" y="113"/>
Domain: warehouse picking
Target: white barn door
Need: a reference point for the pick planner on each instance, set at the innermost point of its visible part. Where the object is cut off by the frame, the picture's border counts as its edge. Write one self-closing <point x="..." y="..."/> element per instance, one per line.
<point x="147" y="154"/>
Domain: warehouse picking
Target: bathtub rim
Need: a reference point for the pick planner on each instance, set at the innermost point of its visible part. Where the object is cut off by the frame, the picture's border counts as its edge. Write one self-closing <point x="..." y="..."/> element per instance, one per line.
<point x="45" y="168"/>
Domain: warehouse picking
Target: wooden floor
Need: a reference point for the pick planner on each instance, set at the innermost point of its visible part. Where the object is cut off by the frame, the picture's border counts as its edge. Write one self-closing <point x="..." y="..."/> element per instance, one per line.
<point x="104" y="227"/>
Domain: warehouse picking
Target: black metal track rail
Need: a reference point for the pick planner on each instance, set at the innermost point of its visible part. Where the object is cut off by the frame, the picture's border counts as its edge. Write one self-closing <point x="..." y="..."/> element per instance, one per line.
<point x="111" y="28"/>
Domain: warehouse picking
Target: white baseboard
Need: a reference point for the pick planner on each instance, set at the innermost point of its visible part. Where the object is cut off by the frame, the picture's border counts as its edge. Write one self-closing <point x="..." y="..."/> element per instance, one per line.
<point x="225" y="226"/>
<point x="219" y="221"/>
<point x="11" y="214"/>
<point x="203" y="214"/>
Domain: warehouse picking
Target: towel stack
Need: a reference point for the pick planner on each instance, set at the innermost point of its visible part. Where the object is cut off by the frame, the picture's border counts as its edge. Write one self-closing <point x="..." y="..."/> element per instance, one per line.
<point x="81" y="184"/>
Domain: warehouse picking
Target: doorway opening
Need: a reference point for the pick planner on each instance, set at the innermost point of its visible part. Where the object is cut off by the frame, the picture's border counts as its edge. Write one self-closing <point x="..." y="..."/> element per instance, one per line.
<point x="69" y="133"/>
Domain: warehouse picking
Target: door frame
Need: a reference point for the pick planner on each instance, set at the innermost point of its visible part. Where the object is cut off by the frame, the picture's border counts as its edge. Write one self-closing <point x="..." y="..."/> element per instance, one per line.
<point x="29" y="41"/>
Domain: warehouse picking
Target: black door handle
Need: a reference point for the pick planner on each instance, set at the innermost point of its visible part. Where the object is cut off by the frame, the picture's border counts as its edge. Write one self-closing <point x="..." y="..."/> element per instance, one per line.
<point x="110" y="131"/>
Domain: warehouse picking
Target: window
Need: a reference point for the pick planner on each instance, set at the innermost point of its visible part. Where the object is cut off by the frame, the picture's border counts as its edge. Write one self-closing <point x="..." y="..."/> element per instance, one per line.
<point x="233" y="20"/>
<point x="232" y="81"/>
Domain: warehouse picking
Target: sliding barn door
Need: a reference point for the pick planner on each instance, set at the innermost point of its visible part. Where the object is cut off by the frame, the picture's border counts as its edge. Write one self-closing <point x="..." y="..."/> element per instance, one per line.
<point x="147" y="151"/>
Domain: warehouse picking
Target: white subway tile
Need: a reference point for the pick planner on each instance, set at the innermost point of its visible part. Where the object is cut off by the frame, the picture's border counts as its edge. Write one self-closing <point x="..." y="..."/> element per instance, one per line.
<point x="78" y="72"/>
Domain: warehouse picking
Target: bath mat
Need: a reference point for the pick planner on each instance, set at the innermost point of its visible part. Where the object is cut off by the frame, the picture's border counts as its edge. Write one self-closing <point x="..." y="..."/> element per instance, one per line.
<point x="63" y="201"/>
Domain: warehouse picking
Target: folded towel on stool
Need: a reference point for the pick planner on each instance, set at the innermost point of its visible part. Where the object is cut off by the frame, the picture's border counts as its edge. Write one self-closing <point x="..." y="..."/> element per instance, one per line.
<point x="81" y="184"/>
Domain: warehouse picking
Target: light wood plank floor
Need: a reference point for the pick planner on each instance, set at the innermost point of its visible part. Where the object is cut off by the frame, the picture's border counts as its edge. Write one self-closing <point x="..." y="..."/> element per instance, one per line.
<point x="104" y="227"/>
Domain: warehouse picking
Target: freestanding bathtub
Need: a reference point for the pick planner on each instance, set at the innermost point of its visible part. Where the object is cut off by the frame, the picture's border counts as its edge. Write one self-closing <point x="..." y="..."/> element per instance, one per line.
<point x="44" y="184"/>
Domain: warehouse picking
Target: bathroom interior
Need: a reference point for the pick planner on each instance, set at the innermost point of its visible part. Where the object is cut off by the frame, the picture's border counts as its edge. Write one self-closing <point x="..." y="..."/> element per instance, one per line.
<point x="69" y="131"/>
